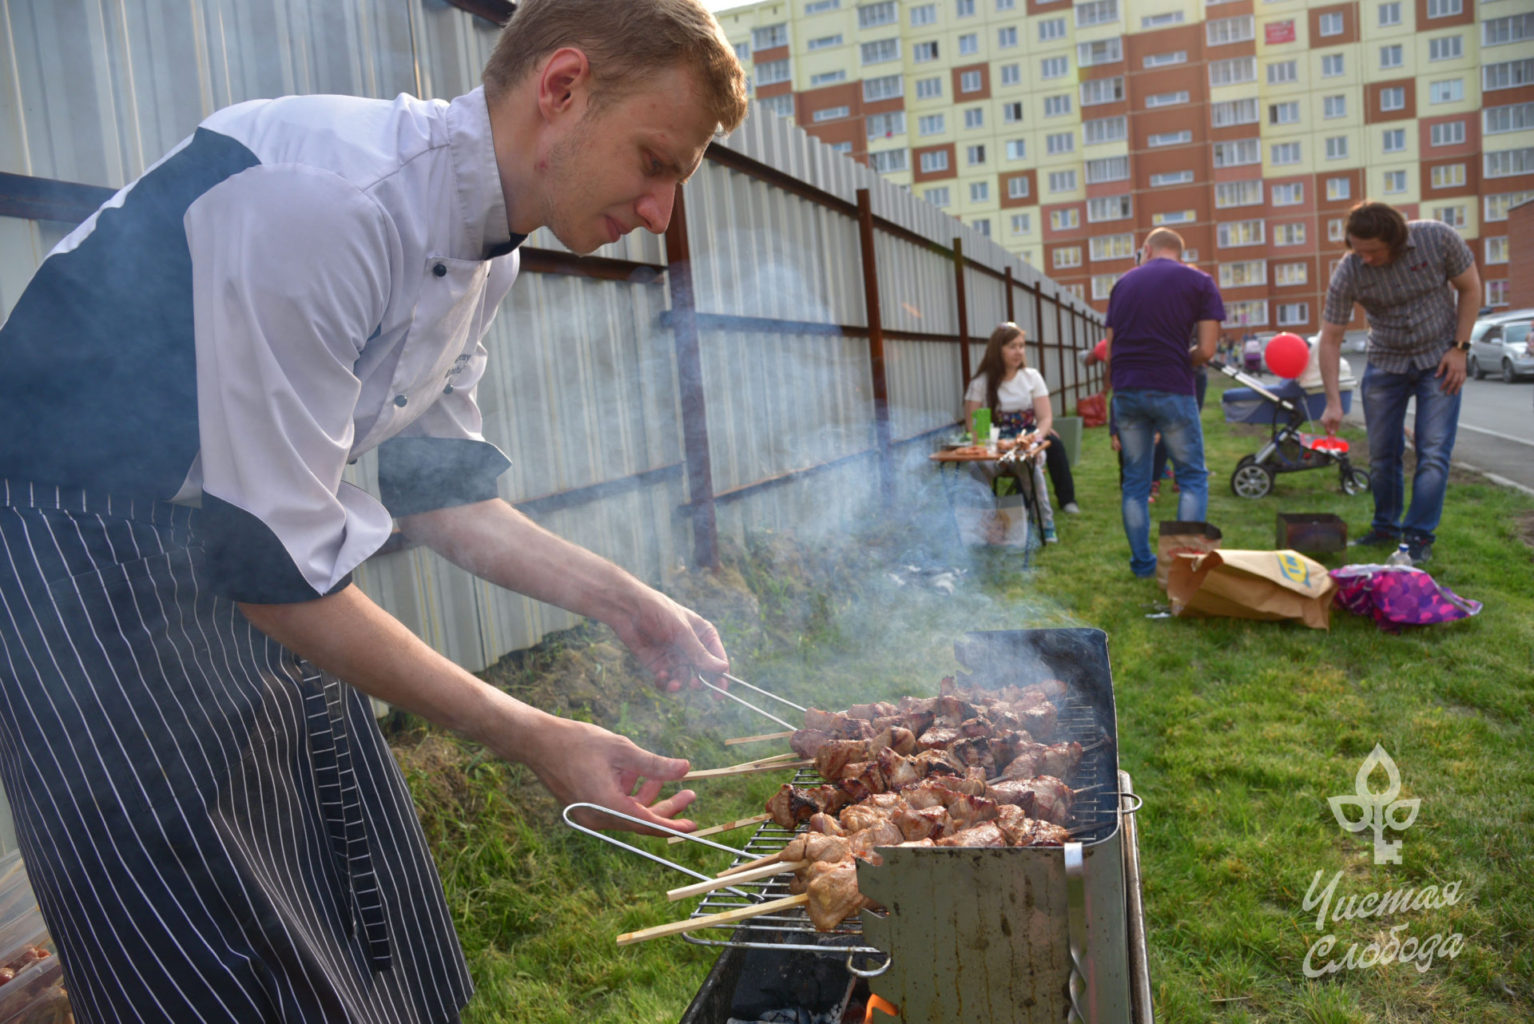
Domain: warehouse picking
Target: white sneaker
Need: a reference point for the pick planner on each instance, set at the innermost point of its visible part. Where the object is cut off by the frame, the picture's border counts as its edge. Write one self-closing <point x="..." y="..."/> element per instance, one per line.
<point x="1072" y="508"/>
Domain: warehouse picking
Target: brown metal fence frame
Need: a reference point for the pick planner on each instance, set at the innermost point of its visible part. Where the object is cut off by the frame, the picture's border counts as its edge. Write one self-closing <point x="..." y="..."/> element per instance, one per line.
<point x="34" y="198"/>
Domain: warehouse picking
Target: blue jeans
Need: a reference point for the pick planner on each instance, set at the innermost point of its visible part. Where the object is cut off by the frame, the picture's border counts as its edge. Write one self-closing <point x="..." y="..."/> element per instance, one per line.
<point x="1385" y="396"/>
<point x="1139" y="415"/>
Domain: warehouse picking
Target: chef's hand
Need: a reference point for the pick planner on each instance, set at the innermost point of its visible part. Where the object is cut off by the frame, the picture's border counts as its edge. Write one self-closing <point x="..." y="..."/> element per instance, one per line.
<point x="673" y="642"/>
<point x="1452" y="369"/>
<point x="583" y="763"/>
<point x="1331" y="416"/>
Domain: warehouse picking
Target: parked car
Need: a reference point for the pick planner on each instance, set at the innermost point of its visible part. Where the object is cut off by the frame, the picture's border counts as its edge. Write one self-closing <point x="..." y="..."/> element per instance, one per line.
<point x="1500" y="344"/>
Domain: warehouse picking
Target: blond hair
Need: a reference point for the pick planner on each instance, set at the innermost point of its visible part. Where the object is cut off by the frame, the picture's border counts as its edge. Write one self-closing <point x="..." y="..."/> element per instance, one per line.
<point x="1164" y="240"/>
<point x="626" y="41"/>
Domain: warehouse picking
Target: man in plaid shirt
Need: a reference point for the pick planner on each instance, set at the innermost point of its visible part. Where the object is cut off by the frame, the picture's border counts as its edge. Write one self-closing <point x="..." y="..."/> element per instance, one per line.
<point x="1419" y="288"/>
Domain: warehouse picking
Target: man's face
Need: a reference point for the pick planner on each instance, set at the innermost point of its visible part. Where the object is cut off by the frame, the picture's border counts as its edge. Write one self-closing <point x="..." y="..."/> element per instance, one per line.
<point x="616" y="168"/>
<point x="1371" y="251"/>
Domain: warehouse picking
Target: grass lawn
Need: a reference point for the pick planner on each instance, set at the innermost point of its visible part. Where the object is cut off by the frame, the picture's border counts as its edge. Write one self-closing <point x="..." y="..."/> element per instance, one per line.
<point x="1236" y="732"/>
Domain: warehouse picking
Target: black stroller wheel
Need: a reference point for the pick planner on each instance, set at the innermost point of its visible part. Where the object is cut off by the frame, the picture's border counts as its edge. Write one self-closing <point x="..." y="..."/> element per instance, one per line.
<point x="1251" y="480"/>
<point x="1354" y="481"/>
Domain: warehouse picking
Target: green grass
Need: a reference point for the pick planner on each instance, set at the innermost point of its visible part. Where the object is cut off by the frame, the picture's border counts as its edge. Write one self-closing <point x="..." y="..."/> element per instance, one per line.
<point x="1235" y="732"/>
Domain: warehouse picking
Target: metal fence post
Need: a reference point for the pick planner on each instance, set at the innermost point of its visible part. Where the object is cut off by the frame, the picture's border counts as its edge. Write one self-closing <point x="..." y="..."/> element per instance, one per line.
<point x="689" y="367"/>
<point x="876" y="343"/>
<point x="963" y="301"/>
<point x="1011" y="313"/>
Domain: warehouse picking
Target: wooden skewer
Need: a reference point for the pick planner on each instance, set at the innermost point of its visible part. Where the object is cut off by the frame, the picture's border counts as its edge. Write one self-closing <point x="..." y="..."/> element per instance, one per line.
<point x="771" y="858"/>
<point x="755" y="739"/>
<point x="755" y="819"/>
<point x="790" y="756"/>
<point x="765" y="871"/>
<point x="745" y="769"/>
<point x="707" y="920"/>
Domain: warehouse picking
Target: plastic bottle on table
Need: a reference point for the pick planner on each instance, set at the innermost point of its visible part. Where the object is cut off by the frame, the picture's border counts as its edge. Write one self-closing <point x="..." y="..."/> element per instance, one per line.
<point x="1400" y="556"/>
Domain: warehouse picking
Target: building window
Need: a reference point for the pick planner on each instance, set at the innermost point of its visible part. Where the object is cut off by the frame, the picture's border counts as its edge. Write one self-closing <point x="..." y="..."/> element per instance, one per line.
<point x="1454" y="216"/>
<point x="772" y="72"/>
<point x="982" y="225"/>
<point x="1285" y="153"/>
<point x="831" y="114"/>
<point x="937" y="197"/>
<point x="1220" y="31"/>
<point x="1496" y="207"/>
<point x="934" y="161"/>
<point x="1011" y="74"/>
<point x="888" y="161"/>
<point x="1390" y="14"/>
<point x="1017" y="188"/>
<point x="1006" y="38"/>
<point x="1060" y="142"/>
<point x="1054" y="106"/>
<point x="1338" y="189"/>
<point x="974" y="155"/>
<point x="979" y="191"/>
<point x="969" y="43"/>
<point x="1102" y="285"/>
<point x="1289" y="234"/>
<point x="1112" y="168"/>
<point x="1051" y="29"/>
<point x="1395" y="182"/>
<point x="1331" y="65"/>
<point x="1447" y="133"/>
<point x="1336" y="229"/>
<point x="1006" y="5"/>
<point x="1233" y="71"/>
<point x="1243" y="274"/>
<point x="922" y="52"/>
<point x="1021" y="224"/>
<point x="1170" y="138"/>
<point x="1234" y="154"/>
<point x="1104" y="51"/>
<point x="1334" y="106"/>
<point x="1392" y="56"/>
<point x="881" y="51"/>
<point x="1393" y="98"/>
<point x="1171" y="178"/>
<point x="1165" y="18"/>
<point x="825" y="42"/>
<point x="1337" y="147"/>
<point x="1506" y="75"/>
<point x="1512" y="118"/>
<point x="1512" y="29"/>
<point x="974" y="117"/>
<point x="883" y="126"/>
<point x="1444" y="8"/>
<point x="1105" y="129"/>
<point x="1283" y="71"/>
<point x="1240" y="232"/>
<point x="781" y="106"/>
<point x="1252" y="313"/>
<point x="1446" y="48"/>
<point x="1293" y="314"/>
<point x="1102" y="90"/>
<point x="1054" y="67"/>
<point x="923" y="14"/>
<point x="821" y="6"/>
<point x="1449" y="91"/>
<point x="1496" y="249"/>
<point x="1284" y="113"/>
<point x="1167" y="99"/>
<point x="886" y="87"/>
<point x="964" y="8"/>
<point x="1067" y="256"/>
<point x="1291" y="193"/>
<point x="1062" y="181"/>
<point x="844" y="148"/>
<point x="1229" y="112"/>
<point x="930" y="124"/>
<point x="768" y="36"/>
<point x="1109" y="208"/>
<point x="1161" y="60"/>
<point x="1285" y="274"/>
<point x="1394" y="140"/>
<point x="1173" y="217"/>
<point x="1448" y="176"/>
<point x="969" y="81"/>
<point x="1504" y="163"/>
<point x="828" y="78"/>
<point x="1097" y="12"/>
<point x="929" y="88"/>
<point x="1331" y="23"/>
<point x="1496" y="293"/>
<point x="1237" y="193"/>
<point x="1017" y="149"/>
<point x="875" y="14"/>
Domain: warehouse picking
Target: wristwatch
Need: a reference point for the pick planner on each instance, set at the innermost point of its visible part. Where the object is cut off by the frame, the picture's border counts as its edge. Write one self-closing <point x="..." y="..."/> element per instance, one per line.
<point x="1462" y="346"/>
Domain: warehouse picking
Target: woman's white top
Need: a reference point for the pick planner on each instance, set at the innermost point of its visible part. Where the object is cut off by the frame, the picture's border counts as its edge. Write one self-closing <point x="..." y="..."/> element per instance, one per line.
<point x="1015" y="395"/>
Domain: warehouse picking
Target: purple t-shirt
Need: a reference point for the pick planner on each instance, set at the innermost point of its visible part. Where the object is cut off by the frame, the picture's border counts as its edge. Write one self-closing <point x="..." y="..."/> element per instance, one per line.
<point x="1153" y="311"/>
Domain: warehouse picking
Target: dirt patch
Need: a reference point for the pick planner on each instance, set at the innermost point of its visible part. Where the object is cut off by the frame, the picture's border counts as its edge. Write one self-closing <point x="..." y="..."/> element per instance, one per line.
<point x="1526" y="528"/>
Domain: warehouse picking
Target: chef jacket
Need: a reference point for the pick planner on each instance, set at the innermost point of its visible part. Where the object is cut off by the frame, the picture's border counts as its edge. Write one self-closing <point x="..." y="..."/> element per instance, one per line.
<point x="301" y="281"/>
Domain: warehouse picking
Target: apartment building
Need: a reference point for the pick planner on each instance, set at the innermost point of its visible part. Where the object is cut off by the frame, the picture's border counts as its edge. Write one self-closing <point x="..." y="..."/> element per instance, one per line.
<point x="1066" y="131"/>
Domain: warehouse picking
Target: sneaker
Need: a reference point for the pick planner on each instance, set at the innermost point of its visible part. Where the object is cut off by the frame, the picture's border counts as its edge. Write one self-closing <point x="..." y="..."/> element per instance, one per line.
<point x="1155" y="490"/>
<point x="1071" y="508"/>
<point x="1421" y="551"/>
<point x="1050" y="537"/>
<point x="1376" y="539"/>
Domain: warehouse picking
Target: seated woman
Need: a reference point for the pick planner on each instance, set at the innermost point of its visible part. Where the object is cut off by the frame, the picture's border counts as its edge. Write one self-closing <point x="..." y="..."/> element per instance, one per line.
<point x="1019" y="402"/>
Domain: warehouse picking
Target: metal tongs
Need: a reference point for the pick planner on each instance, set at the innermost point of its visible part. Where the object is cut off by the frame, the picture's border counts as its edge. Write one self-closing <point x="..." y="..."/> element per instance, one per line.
<point x="741" y="700"/>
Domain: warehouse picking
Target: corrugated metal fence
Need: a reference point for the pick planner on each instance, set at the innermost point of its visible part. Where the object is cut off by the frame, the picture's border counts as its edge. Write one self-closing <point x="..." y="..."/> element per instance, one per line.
<point x="779" y="359"/>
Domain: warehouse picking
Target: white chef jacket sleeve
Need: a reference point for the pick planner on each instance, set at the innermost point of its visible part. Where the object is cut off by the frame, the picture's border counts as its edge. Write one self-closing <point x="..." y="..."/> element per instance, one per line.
<point x="291" y="270"/>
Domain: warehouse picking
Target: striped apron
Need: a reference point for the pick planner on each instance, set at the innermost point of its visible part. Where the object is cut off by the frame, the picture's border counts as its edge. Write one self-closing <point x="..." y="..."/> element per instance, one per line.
<point x="215" y="830"/>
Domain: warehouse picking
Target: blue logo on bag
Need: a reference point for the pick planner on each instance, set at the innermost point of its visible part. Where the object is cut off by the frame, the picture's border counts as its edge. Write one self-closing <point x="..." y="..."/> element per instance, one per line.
<point x="1294" y="568"/>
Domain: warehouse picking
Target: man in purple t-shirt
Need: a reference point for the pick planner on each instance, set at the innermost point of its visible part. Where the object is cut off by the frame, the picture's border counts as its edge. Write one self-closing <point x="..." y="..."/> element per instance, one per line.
<point x="1153" y="311"/>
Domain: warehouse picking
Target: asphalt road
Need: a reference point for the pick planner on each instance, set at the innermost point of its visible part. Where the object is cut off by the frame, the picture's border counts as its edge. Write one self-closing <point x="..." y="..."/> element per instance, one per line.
<point x="1496" y="429"/>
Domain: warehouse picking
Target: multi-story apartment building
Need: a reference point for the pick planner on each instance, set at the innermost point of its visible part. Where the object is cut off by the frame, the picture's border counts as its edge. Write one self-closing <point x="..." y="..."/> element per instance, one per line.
<point x="1067" y="131"/>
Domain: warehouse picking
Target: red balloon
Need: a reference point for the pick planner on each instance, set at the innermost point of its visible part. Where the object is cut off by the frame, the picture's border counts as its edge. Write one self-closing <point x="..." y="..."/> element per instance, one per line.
<point x="1286" y="355"/>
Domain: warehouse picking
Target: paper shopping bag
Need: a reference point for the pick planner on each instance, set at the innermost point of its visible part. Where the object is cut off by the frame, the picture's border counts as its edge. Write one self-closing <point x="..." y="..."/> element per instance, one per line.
<point x="1252" y="585"/>
<point x="1175" y="537"/>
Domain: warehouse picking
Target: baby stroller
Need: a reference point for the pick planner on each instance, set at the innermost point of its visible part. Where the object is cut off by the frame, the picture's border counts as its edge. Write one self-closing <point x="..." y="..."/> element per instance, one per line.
<point x="1286" y="406"/>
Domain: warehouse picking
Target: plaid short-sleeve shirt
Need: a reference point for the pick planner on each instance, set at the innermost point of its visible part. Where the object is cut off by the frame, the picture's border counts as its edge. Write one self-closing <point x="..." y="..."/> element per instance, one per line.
<point x="1409" y="305"/>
